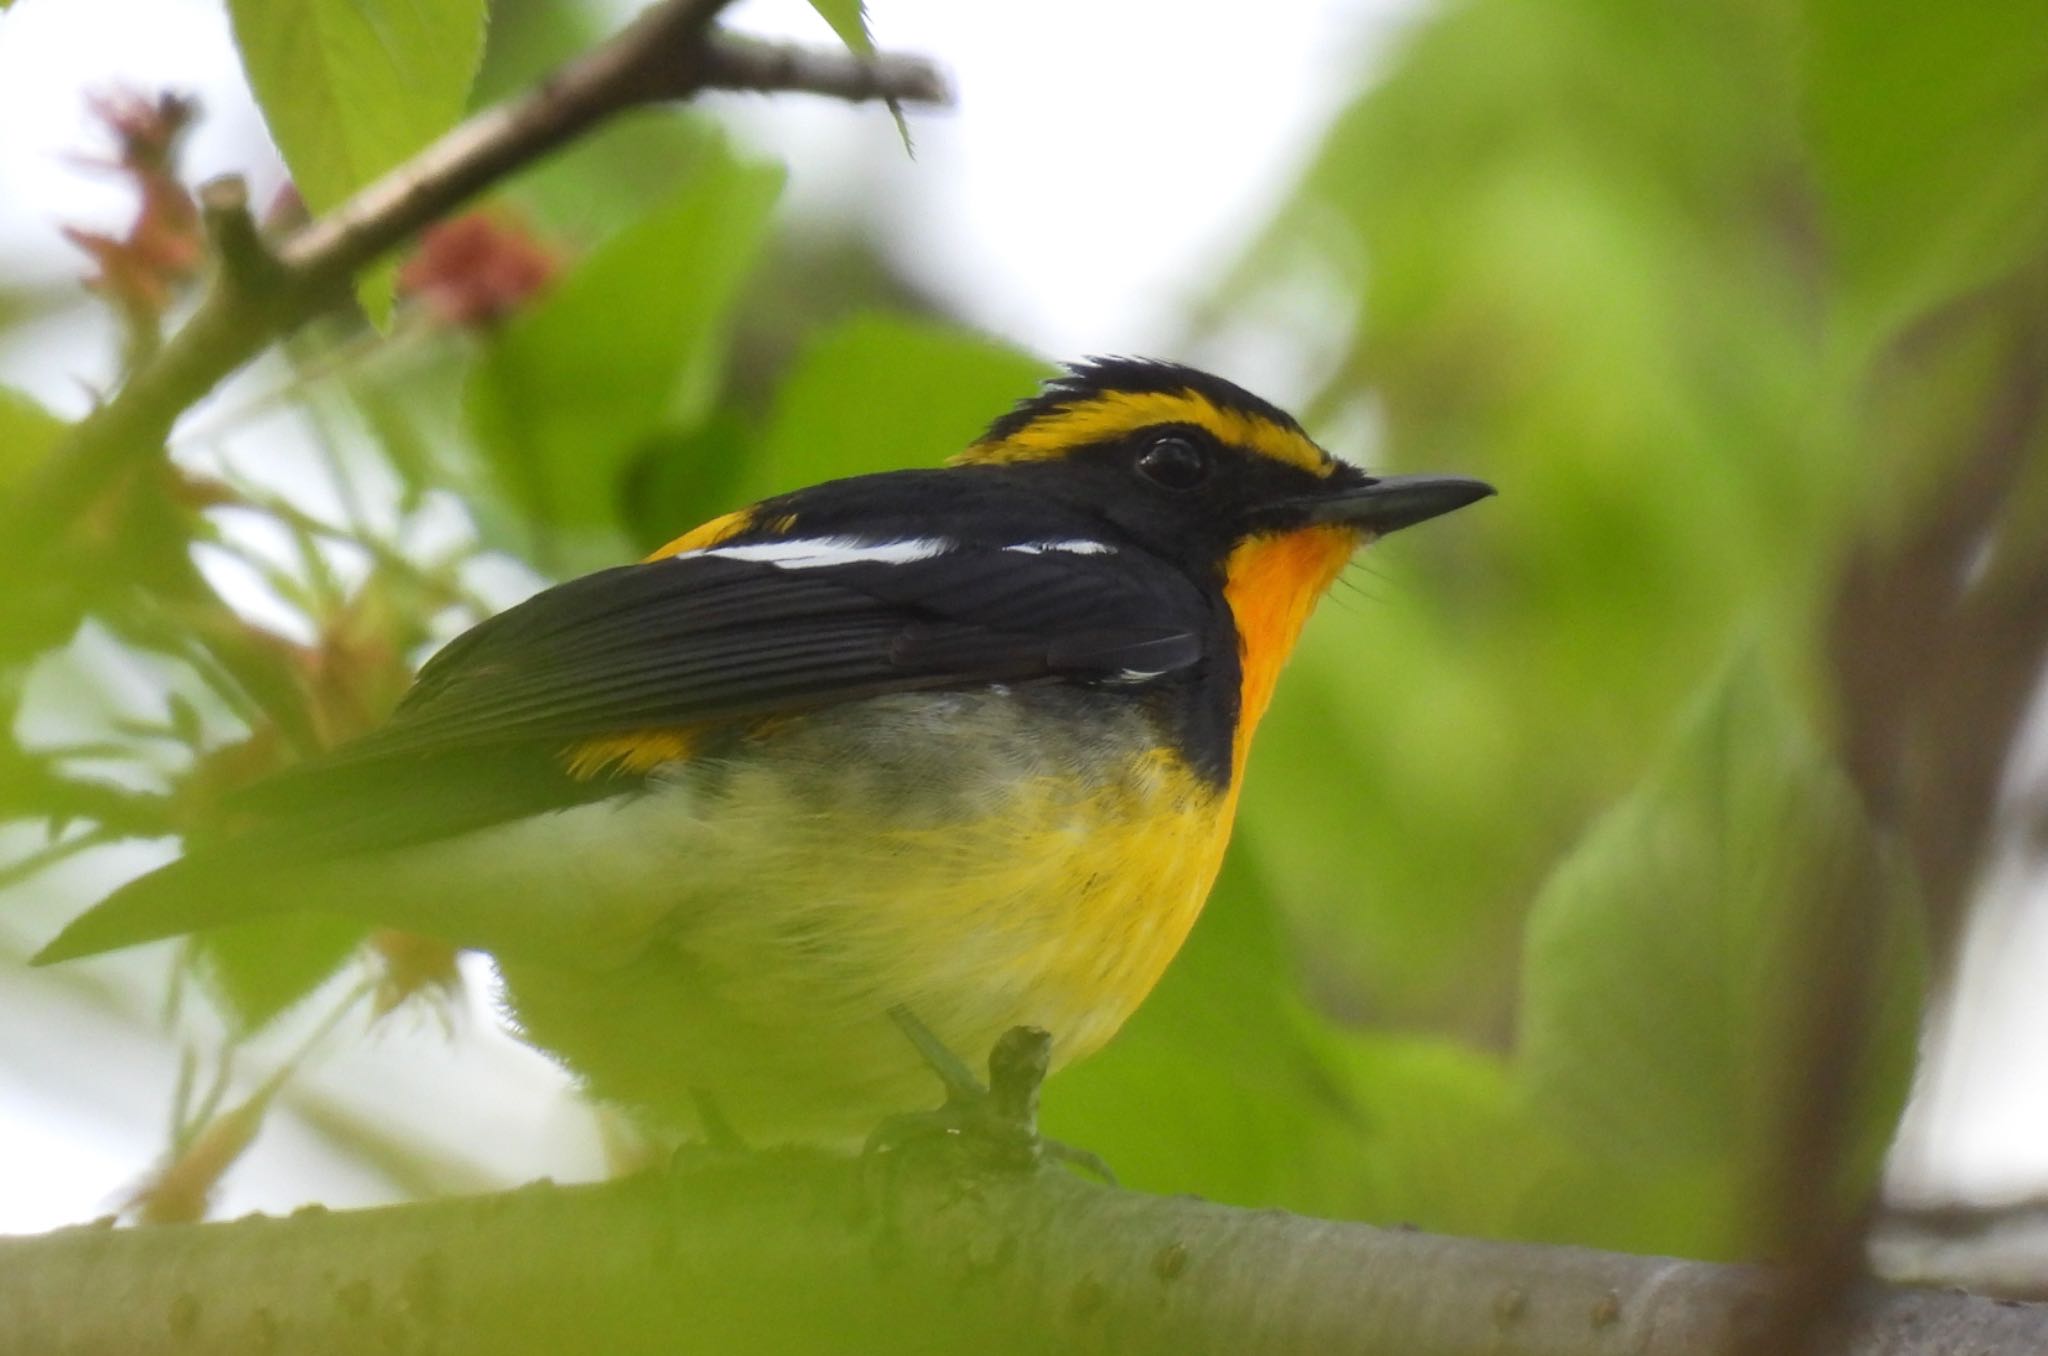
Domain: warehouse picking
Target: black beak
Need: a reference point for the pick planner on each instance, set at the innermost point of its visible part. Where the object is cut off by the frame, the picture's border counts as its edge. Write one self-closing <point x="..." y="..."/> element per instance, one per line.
<point x="1394" y="502"/>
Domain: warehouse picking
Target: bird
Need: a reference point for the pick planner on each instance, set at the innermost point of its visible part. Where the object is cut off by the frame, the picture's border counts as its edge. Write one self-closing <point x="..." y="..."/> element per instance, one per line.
<point x="957" y="746"/>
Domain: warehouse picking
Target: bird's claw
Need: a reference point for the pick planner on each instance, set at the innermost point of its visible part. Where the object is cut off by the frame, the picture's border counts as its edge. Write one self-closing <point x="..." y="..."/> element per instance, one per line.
<point x="997" y="1122"/>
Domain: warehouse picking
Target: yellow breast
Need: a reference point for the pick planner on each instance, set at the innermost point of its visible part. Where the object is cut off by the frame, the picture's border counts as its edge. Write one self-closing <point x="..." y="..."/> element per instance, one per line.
<point x="1084" y="901"/>
<point x="985" y="859"/>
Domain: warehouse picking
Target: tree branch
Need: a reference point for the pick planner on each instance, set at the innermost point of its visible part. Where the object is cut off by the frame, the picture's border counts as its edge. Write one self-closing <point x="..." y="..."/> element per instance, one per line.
<point x="770" y="67"/>
<point x="789" y="1253"/>
<point x="670" y="53"/>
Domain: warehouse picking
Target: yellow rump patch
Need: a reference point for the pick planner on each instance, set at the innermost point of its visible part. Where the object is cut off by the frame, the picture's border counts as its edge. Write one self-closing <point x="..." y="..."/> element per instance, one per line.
<point x="641" y="751"/>
<point x="722" y="528"/>
<point x="1115" y="413"/>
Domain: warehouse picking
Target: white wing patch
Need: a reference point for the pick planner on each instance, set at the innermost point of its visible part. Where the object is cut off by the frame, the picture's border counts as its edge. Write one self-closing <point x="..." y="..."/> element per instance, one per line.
<point x="811" y="553"/>
<point x="1073" y="546"/>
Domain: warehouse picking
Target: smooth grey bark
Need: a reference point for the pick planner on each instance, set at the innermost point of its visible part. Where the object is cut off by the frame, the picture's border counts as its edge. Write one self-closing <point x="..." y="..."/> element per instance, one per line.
<point x="798" y="1253"/>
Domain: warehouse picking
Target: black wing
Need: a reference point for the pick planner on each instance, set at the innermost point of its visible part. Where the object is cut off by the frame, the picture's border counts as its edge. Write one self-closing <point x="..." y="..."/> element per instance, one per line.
<point x="681" y="642"/>
<point x="705" y="639"/>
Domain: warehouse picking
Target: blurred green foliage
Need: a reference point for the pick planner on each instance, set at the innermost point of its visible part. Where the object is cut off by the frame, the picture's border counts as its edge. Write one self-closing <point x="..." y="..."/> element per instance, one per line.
<point x="1669" y="958"/>
<point x="874" y="392"/>
<point x="27" y="433"/>
<point x="1931" y="154"/>
<point x="1650" y="268"/>
<point x="630" y="341"/>
<point x="350" y="88"/>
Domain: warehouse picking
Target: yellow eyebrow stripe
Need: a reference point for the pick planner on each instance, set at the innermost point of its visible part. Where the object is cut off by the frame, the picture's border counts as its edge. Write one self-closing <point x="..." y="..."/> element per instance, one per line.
<point x="1112" y="414"/>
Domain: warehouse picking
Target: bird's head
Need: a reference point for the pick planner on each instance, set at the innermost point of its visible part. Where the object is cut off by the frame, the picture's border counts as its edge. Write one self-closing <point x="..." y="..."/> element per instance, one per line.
<point x="1198" y="469"/>
<point x="1205" y="474"/>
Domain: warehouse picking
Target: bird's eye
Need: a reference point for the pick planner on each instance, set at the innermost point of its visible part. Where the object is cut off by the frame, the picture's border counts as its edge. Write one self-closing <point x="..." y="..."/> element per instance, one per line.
<point x="1174" y="463"/>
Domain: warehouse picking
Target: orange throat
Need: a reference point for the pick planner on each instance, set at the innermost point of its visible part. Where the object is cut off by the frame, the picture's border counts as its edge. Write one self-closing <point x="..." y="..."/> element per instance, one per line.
<point x="1272" y="584"/>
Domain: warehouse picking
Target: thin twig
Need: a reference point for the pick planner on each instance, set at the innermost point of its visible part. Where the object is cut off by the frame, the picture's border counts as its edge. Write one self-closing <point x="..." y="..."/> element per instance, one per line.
<point x="772" y="67"/>
<point x="238" y="249"/>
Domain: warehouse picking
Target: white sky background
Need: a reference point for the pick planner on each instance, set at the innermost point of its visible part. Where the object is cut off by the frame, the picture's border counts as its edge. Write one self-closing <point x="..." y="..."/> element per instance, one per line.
<point x="1113" y="274"/>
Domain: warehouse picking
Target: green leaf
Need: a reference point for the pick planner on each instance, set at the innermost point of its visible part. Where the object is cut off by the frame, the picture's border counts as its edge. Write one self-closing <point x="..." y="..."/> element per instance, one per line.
<point x="1669" y="963"/>
<point x="627" y="348"/>
<point x="27" y="433"/>
<point x="1930" y="125"/>
<point x="879" y="392"/>
<point x="849" y="19"/>
<point x="350" y="88"/>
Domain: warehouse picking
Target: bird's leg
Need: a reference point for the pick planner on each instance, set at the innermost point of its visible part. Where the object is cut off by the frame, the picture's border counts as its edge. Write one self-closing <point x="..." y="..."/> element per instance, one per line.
<point x="1001" y="1117"/>
<point x="1017" y="1067"/>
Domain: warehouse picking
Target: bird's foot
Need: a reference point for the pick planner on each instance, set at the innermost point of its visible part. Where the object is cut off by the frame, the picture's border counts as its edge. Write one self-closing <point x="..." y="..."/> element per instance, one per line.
<point x="996" y="1122"/>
